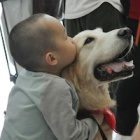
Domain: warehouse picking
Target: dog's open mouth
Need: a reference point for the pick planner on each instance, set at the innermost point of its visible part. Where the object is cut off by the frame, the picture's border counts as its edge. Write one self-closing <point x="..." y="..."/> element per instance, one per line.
<point x="114" y="69"/>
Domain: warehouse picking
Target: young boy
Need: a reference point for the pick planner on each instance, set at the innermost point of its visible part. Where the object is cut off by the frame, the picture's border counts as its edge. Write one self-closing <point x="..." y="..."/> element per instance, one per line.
<point x="42" y="105"/>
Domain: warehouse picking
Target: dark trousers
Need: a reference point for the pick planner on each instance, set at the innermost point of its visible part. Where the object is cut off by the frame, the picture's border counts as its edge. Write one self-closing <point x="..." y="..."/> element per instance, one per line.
<point x="128" y="93"/>
<point x="105" y="16"/>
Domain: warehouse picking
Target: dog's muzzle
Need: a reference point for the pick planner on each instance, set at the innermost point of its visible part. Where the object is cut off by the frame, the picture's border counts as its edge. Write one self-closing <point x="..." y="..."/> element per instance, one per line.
<point x="125" y="33"/>
<point x="118" y="67"/>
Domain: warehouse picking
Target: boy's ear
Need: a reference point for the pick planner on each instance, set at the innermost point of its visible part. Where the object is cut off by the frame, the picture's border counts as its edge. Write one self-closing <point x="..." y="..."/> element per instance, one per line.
<point x="50" y="59"/>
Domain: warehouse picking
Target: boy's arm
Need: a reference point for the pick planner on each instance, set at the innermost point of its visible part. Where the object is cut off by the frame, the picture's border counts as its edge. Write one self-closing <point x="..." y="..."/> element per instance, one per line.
<point x="136" y="132"/>
<point x="57" y="108"/>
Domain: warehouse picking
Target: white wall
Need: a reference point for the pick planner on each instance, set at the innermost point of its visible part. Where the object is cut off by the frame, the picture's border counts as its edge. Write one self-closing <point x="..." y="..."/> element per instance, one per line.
<point x="5" y="84"/>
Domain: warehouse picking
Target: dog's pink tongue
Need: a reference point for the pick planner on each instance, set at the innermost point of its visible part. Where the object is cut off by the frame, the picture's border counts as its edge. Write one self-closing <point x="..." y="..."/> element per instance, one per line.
<point x="118" y="66"/>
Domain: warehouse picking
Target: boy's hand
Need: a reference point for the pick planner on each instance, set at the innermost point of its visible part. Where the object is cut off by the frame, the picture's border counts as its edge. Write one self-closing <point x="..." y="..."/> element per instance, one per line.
<point x="136" y="132"/>
<point x="99" y="118"/>
<point x="105" y="115"/>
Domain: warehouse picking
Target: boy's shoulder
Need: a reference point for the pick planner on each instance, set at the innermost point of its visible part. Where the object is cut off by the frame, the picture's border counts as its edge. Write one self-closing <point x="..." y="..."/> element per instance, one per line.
<point x="44" y="80"/>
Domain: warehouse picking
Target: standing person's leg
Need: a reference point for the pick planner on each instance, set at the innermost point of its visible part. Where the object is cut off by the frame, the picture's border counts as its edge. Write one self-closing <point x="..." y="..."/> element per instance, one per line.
<point x="74" y="26"/>
<point x="105" y="16"/>
<point x="128" y="96"/>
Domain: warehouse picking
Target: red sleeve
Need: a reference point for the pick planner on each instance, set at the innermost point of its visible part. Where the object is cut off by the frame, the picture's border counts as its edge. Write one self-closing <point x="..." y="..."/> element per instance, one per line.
<point x="134" y="11"/>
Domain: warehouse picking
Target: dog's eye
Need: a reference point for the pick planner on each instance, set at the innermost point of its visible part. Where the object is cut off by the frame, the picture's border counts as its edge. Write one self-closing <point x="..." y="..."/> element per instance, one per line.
<point x="88" y="40"/>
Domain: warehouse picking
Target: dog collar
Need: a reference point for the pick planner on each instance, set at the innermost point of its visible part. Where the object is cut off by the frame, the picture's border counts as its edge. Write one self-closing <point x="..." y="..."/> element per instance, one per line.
<point x="108" y="116"/>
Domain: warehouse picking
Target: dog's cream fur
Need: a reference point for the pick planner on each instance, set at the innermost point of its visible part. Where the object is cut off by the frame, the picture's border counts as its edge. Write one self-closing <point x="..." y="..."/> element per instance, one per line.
<point x="94" y="94"/>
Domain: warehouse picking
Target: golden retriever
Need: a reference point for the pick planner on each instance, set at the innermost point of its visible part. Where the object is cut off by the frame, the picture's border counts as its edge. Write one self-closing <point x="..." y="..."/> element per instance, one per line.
<point x="99" y="61"/>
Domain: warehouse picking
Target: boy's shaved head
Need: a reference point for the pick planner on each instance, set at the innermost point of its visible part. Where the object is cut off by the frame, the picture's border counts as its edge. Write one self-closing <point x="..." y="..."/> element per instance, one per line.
<point x="30" y="39"/>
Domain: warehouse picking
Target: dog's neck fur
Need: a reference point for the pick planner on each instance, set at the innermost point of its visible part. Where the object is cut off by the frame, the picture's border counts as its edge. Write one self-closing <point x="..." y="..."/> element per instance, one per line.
<point x="98" y="100"/>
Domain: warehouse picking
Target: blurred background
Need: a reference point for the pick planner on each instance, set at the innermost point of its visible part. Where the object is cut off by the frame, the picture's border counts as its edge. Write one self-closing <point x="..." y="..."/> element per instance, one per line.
<point x="5" y="83"/>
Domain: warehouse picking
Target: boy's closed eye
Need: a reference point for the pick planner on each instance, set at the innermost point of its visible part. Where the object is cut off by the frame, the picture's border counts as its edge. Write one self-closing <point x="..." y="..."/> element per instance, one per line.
<point x="66" y="37"/>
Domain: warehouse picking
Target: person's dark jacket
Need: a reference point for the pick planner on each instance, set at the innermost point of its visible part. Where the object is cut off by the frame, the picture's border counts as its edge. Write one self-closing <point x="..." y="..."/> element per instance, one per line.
<point x="54" y="8"/>
<point x="126" y="6"/>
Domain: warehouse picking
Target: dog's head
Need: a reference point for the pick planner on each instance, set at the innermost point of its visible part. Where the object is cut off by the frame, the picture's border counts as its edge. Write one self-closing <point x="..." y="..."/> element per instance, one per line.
<point x="101" y="54"/>
<point x="99" y="61"/>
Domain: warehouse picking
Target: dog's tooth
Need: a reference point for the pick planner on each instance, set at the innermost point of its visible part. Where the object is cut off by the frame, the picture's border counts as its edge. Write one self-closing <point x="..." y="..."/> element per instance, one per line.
<point x="99" y="69"/>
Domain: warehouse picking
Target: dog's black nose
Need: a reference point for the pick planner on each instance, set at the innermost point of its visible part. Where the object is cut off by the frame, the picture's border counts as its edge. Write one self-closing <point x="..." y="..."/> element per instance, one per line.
<point x="125" y="33"/>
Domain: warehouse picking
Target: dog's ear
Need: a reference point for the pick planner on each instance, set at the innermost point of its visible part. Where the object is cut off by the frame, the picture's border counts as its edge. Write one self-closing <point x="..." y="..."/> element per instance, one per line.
<point x="50" y="59"/>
